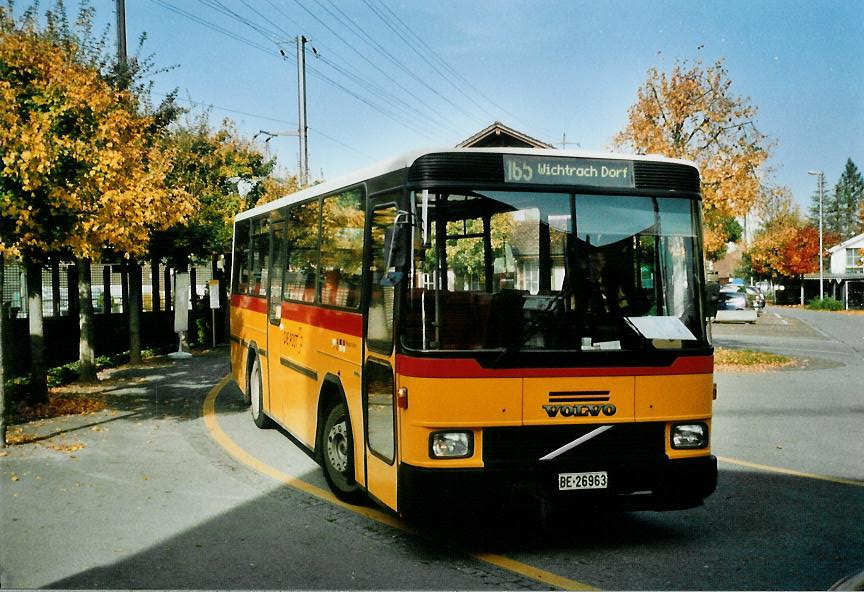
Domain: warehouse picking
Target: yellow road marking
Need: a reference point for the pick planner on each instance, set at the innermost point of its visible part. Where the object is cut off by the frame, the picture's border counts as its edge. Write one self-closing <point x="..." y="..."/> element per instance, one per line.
<point x="225" y="441"/>
<point x="791" y="472"/>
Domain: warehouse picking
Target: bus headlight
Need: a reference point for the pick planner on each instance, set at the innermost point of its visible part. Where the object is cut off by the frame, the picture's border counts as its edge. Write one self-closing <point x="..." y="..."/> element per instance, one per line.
<point x="689" y="435"/>
<point x="451" y="444"/>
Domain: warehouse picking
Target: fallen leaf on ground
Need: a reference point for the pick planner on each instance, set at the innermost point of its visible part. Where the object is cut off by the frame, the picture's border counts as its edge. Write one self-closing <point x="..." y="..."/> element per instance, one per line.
<point x="62" y="447"/>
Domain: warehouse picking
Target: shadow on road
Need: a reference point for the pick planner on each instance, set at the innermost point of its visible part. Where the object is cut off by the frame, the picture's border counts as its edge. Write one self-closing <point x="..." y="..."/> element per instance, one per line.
<point x="758" y="531"/>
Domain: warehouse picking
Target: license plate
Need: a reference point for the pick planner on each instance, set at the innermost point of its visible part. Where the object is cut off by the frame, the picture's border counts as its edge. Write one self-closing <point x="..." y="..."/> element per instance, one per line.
<point x="571" y="481"/>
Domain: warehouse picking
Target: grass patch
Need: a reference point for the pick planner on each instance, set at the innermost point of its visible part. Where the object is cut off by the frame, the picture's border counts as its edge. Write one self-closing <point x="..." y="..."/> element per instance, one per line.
<point x="749" y="360"/>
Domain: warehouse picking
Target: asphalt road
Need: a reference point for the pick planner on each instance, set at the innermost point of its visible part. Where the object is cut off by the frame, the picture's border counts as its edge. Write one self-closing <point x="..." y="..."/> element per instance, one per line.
<point x="174" y="487"/>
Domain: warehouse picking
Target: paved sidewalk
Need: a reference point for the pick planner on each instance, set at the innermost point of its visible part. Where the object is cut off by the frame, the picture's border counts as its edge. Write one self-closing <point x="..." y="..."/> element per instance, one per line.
<point x="97" y="488"/>
<point x="141" y="496"/>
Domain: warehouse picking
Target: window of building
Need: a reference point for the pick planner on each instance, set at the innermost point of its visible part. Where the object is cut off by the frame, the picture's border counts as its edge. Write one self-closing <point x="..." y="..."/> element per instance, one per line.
<point x="854" y="261"/>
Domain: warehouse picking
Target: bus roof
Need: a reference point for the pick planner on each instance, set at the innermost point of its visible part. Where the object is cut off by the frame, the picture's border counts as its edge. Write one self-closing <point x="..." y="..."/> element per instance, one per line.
<point x="406" y="160"/>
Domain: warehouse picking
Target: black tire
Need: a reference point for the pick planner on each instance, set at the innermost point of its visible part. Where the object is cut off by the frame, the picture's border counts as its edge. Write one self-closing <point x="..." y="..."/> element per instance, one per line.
<point x="337" y="454"/>
<point x="247" y="395"/>
<point x="256" y="396"/>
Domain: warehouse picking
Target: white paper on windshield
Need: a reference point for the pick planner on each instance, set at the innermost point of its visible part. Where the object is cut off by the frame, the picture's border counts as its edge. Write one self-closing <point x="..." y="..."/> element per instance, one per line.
<point x="661" y="328"/>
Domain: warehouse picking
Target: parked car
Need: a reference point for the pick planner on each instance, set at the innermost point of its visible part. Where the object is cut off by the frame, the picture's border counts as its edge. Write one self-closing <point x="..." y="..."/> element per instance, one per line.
<point x="738" y="297"/>
<point x="731" y="298"/>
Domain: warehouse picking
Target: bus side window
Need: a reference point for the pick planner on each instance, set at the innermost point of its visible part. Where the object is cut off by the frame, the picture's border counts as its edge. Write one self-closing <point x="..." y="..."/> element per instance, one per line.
<point x="258" y="270"/>
<point x="240" y="283"/>
<point x="302" y="263"/>
<point x="342" y="222"/>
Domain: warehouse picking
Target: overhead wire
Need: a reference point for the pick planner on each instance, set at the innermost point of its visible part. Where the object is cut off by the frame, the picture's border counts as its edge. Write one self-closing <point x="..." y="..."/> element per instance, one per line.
<point x="371" y="42"/>
<point x="440" y="116"/>
<point x="424" y="50"/>
<point x="212" y="26"/>
<point x="314" y="130"/>
<point x="376" y="90"/>
<point x="422" y="54"/>
<point x="269" y="35"/>
<point x="272" y="35"/>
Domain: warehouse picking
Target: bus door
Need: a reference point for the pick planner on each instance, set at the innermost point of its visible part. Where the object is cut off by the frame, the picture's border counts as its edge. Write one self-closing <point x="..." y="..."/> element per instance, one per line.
<point x="379" y="387"/>
<point x="275" y="346"/>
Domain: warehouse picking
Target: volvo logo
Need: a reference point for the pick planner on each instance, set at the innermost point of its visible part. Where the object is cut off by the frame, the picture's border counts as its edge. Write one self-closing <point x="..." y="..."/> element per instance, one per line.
<point x="580" y="410"/>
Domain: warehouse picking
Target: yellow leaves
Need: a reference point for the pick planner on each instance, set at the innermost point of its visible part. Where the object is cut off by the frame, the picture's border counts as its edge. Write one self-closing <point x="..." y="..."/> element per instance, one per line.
<point x="690" y="113"/>
<point x="110" y="189"/>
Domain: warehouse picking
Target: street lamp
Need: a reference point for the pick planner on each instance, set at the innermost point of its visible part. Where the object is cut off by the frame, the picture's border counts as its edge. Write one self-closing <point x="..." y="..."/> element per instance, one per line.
<point x="821" y="177"/>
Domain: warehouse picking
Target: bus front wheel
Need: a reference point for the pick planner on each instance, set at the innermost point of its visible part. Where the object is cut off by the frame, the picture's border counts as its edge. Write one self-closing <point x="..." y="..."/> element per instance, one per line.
<point x="337" y="452"/>
<point x="256" y="396"/>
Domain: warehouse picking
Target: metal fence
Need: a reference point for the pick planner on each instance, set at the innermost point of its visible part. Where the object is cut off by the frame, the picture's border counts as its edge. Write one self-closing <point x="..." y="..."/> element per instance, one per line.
<point x="109" y="285"/>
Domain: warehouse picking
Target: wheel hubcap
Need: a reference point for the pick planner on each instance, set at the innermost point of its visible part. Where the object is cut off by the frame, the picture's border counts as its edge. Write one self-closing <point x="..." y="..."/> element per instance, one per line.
<point x="337" y="446"/>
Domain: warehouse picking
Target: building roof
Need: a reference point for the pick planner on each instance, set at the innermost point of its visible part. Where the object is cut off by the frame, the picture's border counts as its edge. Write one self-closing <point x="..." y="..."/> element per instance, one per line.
<point x="499" y="135"/>
<point x="856" y="242"/>
<point x="828" y="276"/>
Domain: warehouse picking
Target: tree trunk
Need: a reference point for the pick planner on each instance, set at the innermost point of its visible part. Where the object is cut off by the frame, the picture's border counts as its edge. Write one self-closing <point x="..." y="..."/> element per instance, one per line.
<point x="38" y="392"/>
<point x="2" y="359"/>
<point x="134" y="312"/>
<point x="86" y="350"/>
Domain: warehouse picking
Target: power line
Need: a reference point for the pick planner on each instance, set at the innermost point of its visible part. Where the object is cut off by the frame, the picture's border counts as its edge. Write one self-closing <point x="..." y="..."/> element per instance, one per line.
<point x="423" y="56"/>
<point x="425" y="50"/>
<point x="228" y="110"/>
<point x="370" y="41"/>
<point x="390" y="115"/>
<point x="365" y="58"/>
<point x="213" y="27"/>
<point x="267" y="118"/>
<point x="269" y="35"/>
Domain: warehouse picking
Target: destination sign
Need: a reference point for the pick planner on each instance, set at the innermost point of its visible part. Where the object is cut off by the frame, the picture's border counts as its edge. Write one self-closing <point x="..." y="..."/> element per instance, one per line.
<point x="547" y="170"/>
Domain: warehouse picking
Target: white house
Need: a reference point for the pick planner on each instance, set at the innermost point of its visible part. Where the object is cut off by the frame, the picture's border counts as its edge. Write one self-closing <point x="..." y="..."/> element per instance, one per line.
<point x="844" y="278"/>
<point x="847" y="258"/>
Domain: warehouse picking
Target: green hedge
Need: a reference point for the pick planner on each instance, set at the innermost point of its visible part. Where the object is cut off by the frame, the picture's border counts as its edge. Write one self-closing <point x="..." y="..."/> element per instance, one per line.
<point x="18" y="386"/>
<point x="825" y="304"/>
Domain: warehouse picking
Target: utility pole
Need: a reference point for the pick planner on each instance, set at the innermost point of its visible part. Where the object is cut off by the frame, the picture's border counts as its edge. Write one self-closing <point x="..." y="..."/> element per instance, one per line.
<point x="121" y="32"/>
<point x="821" y="176"/>
<point x="303" y="129"/>
<point x="564" y="143"/>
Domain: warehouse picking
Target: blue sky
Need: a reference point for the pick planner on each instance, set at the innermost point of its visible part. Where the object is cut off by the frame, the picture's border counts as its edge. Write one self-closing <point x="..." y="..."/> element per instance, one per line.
<point x="546" y="68"/>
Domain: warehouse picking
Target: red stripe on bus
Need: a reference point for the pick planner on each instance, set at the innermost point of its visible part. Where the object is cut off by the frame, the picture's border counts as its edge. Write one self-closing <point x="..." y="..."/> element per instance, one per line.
<point x="253" y="303"/>
<point x="470" y="368"/>
<point x="350" y="323"/>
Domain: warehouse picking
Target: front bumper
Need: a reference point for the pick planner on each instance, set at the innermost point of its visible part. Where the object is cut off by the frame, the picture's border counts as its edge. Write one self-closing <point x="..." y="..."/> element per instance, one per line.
<point x="660" y="484"/>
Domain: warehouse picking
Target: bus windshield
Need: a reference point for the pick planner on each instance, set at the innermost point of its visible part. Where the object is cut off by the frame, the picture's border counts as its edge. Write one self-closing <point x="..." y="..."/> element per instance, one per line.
<point x="521" y="270"/>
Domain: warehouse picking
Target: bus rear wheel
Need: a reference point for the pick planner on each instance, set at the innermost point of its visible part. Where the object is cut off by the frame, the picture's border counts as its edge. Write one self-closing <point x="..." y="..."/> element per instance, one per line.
<point x="256" y="396"/>
<point x="337" y="454"/>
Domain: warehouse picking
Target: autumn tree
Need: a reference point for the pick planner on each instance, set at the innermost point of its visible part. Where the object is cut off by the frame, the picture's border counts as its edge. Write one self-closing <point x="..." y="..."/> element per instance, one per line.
<point x="691" y="113"/>
<point x="780" y="219"/>
<point x="272" y="188"/>
<point x="80" y="171"/>
<point x="841" y="207"/>
<point x="208" y="165"/>
<point x="786" y="246"/>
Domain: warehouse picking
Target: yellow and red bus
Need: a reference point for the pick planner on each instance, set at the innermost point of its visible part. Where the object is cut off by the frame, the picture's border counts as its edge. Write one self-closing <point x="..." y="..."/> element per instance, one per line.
<point x="457" y="323"/>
